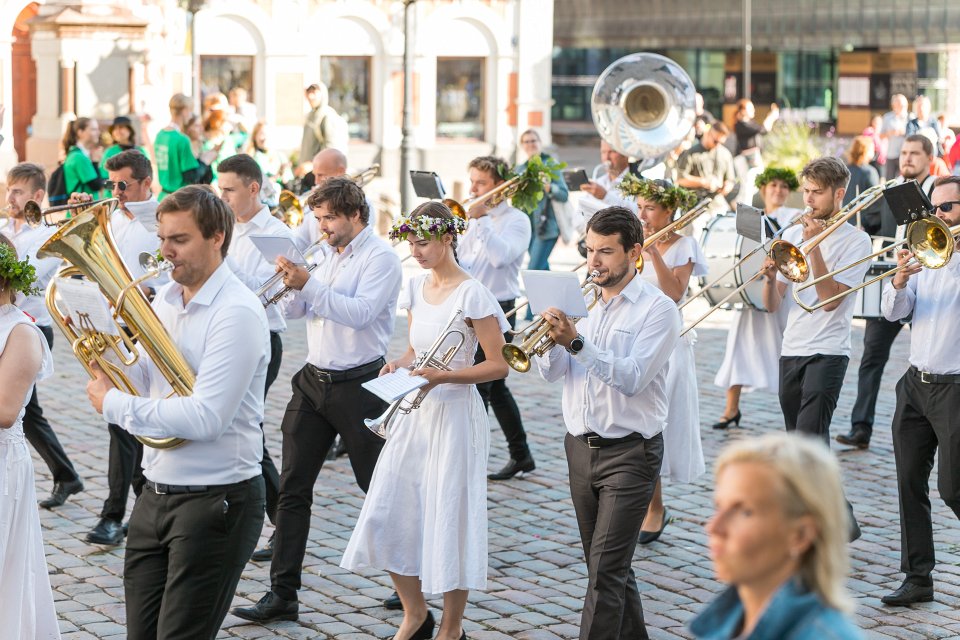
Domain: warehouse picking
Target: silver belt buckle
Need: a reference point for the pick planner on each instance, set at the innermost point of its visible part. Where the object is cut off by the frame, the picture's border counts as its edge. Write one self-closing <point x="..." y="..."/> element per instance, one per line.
<point x="157" y="489"/>
<point x="591" y="442"/>
<point x="923" y="377"/>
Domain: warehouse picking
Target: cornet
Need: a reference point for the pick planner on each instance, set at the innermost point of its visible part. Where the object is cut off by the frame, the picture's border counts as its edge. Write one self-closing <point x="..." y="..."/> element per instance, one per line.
<point x="381" y="425"/>
<point x="36" y="216"/>
<point x="277" y="278"/>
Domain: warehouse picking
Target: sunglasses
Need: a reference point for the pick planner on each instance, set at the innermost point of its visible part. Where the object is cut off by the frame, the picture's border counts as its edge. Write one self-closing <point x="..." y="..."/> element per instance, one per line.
<point x="946" y="207"/>
<point x="121" y="185"/>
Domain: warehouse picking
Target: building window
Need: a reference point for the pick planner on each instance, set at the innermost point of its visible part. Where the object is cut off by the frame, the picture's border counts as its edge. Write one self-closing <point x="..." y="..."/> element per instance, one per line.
<point x="460" y="98"/>
<point x="348" y="81"/>
<point x="807" y="81"/>
<point x="222" y="73"/>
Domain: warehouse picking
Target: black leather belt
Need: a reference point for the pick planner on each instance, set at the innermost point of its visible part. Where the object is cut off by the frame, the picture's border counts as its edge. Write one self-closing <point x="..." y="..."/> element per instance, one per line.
<point x="163" y="489"/>
<point x="330" y="376"/>
<point x="935" y="378"/>
<point x="596" y="442"/>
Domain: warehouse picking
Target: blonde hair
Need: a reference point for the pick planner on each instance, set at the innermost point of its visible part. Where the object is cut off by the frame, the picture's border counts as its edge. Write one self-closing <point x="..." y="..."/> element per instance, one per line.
<point x="810" y="486"/>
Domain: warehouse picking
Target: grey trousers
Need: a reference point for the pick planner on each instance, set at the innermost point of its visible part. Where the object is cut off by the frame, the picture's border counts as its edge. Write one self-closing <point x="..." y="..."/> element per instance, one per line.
<point x="611" y="488"/>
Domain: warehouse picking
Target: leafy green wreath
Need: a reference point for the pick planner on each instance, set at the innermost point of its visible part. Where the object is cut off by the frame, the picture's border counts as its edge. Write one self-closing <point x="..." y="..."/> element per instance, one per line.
<point x="19" y="275"/>
<point x="663" y="192"/>
<point x="777" y="173"/>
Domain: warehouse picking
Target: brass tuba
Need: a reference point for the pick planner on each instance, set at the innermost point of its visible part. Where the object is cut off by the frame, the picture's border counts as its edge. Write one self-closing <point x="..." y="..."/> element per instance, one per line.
<point x="86" y="243"/>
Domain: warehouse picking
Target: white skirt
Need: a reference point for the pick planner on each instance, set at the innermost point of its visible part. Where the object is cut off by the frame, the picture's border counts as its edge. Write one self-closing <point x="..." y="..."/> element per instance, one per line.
<point x="682" y="451"/>
<point x="752" y="356"/>
<point x="426" y="512"/>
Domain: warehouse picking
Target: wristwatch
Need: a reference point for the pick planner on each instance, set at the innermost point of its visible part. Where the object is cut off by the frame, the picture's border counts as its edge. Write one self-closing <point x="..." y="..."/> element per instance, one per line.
<point x="576" y="345"/>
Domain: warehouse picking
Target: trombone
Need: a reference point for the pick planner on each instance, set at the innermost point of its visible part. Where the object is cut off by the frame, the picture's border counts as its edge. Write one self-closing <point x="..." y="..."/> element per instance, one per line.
<point x="381" y="424"/>
<point x="277" y="277"/>
<point x="537" y="342"/>
<point x="930" y="241"/>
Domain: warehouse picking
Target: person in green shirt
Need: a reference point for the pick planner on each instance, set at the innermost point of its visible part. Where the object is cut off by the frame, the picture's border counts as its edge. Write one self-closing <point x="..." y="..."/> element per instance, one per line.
<point x="176" y="164"/>
<point x="124" y="137"/>
<point x="81" y="168"/>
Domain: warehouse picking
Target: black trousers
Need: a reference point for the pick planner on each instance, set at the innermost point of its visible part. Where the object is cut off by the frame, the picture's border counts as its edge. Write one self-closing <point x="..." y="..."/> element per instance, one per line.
<point x="809" y="390"/>
<point x="271" y="477"/>
<point x="496" y="394"/>
<point x="316" y="414"/>
<point x="611" y="489"/>
<point x="878" y="338"/>
<point x="185" y="554"/>
<point x="124" y="470"/>
<point x="40" y="434"/>
<point x="924" y="427"/>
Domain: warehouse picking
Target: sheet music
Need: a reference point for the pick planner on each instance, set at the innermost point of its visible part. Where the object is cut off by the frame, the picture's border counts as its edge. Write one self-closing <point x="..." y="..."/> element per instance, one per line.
<point x="271" y="247"/>
<point x="750" y="223"/>
<point x="560" y="289"/>
<point x="393" y="386"/>
<point x="86" y="306"/>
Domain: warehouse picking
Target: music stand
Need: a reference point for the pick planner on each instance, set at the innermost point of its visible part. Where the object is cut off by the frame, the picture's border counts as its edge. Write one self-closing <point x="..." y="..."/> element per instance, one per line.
<point x="907" y="201"/>
<point x="426" y="184"/>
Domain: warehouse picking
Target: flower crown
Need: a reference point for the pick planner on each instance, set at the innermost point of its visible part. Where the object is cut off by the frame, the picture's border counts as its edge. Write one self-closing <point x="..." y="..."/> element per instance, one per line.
<point x="662" y="192"/>
<point x="778" y="173"/>
<point x="427" y="228"/>
<point x="19" y="275"/>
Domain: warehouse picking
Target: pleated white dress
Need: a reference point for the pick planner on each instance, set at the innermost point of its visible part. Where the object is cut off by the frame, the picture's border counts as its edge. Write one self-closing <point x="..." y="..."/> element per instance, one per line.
<point x="682" y="450"/>
<point x="752" y="355"/>
<point x="426" y="512"/>
<point x="26" y="601"/>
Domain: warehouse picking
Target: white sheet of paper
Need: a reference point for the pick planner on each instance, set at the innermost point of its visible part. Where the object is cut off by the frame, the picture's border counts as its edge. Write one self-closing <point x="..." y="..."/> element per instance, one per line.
<point x="393" y="386"/>
<point x="87" y="307"/>
<point x="271" y="247"/>
<point x="560" y="289"/>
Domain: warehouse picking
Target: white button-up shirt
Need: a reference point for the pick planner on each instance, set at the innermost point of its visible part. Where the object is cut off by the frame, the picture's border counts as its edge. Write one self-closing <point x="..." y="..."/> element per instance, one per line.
<point x="350" y="303"/>
<point x="132" y="239"/>
<point x="222" y="333"/>
<point x="28" y="241"/>
<point x="616" y="385"/>
<point x="933" y="296"/>
<point x="249" y="265"/>
<point x="493" y="247"/>
<point x="589" y="205"/>
<point x="825" y="332"/>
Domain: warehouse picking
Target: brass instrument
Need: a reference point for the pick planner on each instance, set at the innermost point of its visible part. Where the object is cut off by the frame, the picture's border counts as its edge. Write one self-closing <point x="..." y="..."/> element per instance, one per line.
<point x="536" y="341"/>
<point x="381" y="424"/>
<point x="86" y="242"/>
<point x="492" y="198"/>
<point x="930" y="241"/>
<point x="290" y="207"/>
<point x="362" y="178"/>
<point x="277" y="278"/>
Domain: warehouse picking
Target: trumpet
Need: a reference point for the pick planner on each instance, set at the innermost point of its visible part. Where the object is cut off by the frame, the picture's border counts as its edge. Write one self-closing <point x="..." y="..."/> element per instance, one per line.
<point x="35" y="216"/>
<point x="536" y="341"/>
<point x="381" y="424"/>
<point x="930" y="240"/>
<point x="277" y="278"/>
<point x="492" y="198"/>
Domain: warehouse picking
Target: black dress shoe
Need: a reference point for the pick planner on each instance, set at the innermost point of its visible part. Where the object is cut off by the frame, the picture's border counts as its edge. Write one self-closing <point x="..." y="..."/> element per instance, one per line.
<point x="646" y="537"/>
<point x="271" y="607"/>
<point x="725" y="423"/>
<point x="858" y="437"/>
<point x="909" y="593"/>
<point x="393" y="603"/>
<point x="62" y="491"/>
<point x="107" y="531"/>
<point x="425" y="632"/>
<point x="264" y="553"/>
<point x="512" y="468"/>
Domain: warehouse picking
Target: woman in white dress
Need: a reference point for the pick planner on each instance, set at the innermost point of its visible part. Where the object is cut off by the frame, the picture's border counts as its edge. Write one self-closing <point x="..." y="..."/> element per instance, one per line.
<point x="424" y="519"/>
<point x="752" y="357"/>
<point x="668" y="264"/>
<point x="26" y="601"/>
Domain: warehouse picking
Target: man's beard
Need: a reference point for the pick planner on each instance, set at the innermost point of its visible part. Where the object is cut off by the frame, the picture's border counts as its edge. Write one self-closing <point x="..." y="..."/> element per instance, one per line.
<point x="613" y="278"/>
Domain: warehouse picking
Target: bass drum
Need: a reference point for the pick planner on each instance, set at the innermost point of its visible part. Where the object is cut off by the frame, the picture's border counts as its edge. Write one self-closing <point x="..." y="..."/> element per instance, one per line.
<point x="868" y="298"/>
<point x="723" y="247"/>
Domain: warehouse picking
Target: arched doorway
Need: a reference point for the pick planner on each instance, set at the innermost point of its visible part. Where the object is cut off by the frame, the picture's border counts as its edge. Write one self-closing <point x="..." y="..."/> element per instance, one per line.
<point x="24" y="80"/>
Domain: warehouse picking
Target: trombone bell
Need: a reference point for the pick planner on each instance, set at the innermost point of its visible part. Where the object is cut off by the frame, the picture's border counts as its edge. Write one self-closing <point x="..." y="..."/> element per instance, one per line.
<point x="931" y="242"/>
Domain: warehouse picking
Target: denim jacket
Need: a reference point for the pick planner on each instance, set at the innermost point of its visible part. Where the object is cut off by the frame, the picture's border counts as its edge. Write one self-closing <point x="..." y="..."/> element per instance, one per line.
<point x="794" y="613"/>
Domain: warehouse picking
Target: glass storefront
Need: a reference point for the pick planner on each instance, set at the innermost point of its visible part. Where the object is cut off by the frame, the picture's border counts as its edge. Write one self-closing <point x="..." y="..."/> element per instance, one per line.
<point x="460" y="98"/>
<point x="348" y="82"/>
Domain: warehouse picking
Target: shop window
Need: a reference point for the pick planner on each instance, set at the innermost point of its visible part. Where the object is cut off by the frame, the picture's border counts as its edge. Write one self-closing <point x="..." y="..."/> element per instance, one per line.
<point x="460" y="98"/>
<point x="348" y="82"/>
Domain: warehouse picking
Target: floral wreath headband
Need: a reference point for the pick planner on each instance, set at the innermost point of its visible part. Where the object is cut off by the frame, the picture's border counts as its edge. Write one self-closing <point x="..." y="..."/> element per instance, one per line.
<point x="777" y="173"/>
<point x="427" y="228"/>
<point x="19" y="275"/>
<point x="662" y="192"/>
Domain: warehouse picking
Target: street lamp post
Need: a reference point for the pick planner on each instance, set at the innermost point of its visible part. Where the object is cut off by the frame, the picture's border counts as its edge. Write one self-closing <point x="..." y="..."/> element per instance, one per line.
<point x="406" y="142"/>
<point x="192" y="7"/>
<point x="747" y="47"/>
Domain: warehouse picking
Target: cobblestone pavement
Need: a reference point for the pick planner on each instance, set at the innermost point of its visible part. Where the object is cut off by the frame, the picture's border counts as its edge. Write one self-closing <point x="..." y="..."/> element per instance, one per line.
<point x="537" y="576"/>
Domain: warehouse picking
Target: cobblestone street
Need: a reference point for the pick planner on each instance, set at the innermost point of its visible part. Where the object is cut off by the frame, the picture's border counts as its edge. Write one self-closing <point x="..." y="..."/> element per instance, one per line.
<point x="537" y="575"/>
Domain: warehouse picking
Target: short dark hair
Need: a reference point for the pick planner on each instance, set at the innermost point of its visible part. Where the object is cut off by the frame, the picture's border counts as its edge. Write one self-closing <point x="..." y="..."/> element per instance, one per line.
<point x="244" y="166"/>
<point x="28" y="172"/>
<point x="621" y="220"/>
<point x="720" y="128"/>
<point x="491" y="165"/>
<point x="945" y="180"/>
<point x="133" y="159"/>
<point x="827" y="172"/>
<point x="923" y="140"/>
<point x="209" y="212"/>
<point x="342" y="196"/>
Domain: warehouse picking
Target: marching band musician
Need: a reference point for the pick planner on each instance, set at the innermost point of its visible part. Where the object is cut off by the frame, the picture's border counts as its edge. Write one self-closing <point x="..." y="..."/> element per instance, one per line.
<point x="492" y="251"/>
<point x="130" y="176"/>
<point x="669" y="265"/>
<point x="240" y="179"/>
<point x="614" y="366"/>
<point x="349" y="302"/>
<point x="601" y="192"/>
<point x="26" y="181"/>
<point x="438" y="516"/>
<point x="752" y="354"/>
<point x="200" y="514"/>
<point x="816" y="346"/>
<point x="928" y="400"/>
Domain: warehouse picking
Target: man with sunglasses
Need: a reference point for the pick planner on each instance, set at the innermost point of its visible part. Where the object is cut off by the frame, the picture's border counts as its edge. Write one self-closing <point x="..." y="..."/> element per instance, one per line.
<point x="928" y="400"/>
<point x="130" y="176"/>
<point x="916" y="153"/>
